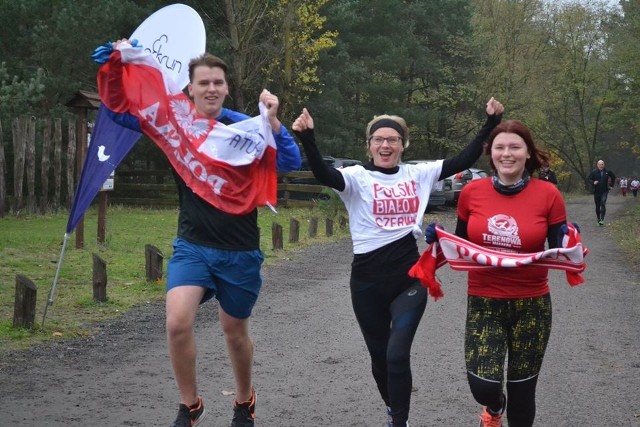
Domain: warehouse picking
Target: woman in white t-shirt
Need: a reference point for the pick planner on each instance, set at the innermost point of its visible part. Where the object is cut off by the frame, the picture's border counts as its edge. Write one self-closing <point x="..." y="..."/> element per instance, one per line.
<point x="635" y="185"/>
<point x="623" y="186"/>
<point x="385" y="200"/>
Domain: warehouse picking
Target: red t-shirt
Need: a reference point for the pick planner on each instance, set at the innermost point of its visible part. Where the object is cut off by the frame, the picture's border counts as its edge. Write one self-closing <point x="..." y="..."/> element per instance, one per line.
<point x="517" y="223"/>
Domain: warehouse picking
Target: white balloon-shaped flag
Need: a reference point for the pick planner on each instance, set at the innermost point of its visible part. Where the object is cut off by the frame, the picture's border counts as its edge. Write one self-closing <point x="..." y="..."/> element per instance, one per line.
<point x="173" y="35"/>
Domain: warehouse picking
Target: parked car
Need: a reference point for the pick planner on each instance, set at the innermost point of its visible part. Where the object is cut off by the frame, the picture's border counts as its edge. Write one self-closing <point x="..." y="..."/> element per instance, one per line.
<point x="339" y="162"/>
<point x="336" y="162"/>
<point x="455" y="183"/>
<point x="437" y="196"/>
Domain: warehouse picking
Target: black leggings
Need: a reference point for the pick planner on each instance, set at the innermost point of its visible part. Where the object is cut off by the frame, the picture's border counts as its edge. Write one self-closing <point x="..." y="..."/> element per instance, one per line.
<point x="497" y="327"/>
<point x="389" y="312"/>
<point x="600" y="199"/>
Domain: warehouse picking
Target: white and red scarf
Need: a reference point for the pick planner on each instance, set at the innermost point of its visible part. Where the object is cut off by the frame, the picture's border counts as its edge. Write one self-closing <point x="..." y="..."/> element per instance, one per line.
<point x="231" y="167"/>
<point x="466" y="256"/>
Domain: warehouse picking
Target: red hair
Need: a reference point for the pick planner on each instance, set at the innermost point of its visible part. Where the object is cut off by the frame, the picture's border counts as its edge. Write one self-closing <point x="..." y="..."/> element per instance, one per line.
<point x="538" y="156"/>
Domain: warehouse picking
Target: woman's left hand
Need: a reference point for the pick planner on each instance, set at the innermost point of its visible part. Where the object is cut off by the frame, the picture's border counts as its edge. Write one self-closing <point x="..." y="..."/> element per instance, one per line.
<point x="494" y="107"/>
<point x="303" y="122"/>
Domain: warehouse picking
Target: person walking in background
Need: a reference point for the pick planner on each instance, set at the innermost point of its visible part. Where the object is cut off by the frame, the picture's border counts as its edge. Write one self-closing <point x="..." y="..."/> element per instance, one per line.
<point x="546" y="174"/>
<point x="623" y="186"/>
<point x="216" y="253"/>
<point x="635" y="185"/>
<point x="602" y="181"/>
<point x="508" y="309"/>
<point x="385" y="200"/>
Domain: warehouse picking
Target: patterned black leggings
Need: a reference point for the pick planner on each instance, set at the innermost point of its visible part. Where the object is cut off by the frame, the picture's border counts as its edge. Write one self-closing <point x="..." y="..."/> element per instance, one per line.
<point x="519" y="328"/>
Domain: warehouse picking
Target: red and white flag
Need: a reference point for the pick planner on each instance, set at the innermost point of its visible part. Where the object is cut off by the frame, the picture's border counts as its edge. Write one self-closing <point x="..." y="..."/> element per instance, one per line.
<point x="466" y="256"/>
<point x="231" y="167"/>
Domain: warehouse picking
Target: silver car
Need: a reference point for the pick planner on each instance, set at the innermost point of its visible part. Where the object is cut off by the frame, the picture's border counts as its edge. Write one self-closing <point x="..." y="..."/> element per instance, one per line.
<point x="454" y="184"/>
<point x="437" y="196"/>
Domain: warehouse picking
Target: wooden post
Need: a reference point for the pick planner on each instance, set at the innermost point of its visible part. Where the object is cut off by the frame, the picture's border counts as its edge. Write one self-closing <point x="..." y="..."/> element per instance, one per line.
<point x="153" y="263"/>
<point x="313" y="227"/>
<point x="294" y="230"/>
<point x="343" y="222"/>
<point x="285" y="181"/>
<point x="276" y="236"/>
<point x="3" y="182"/>
<point x="99" y="279"/>
<point x="24" y="307"/>
<point x="45" y="165"/>
<point x="102" y="215"/>
<point x="30" y="162"/>
<point x="19" y="152"/>
<point x="329" y="227"/>
<point x="57" y="164"/>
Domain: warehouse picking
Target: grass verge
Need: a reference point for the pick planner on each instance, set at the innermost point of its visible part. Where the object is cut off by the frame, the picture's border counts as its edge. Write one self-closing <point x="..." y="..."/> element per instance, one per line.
<point x="31" y="246"/>
<point x="626" y="230"/>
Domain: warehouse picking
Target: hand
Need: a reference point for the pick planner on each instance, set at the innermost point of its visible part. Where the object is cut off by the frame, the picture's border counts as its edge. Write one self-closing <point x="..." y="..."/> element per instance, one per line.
<point x="127" y="43"/>
<point x="564" y="229"/>
<point x="271" y="102"/>
<point x="303" y="121"/>
<point x="101" y="53"/>
<point x="430" y="235"/>
<point x="494" y="107"/>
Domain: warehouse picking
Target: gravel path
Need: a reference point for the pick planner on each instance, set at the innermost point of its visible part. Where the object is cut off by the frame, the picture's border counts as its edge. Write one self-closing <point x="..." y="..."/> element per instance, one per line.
<point x="311" y="366"/>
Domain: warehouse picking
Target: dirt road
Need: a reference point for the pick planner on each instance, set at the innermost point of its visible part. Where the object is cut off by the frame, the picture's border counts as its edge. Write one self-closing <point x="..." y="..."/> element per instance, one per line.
<point x="311" y="366"/>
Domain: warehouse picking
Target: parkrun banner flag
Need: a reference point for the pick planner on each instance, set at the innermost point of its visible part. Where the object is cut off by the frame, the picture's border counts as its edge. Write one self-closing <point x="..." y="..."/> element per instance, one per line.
<point x="109" y="144"/>
<point x="231" y="167"/>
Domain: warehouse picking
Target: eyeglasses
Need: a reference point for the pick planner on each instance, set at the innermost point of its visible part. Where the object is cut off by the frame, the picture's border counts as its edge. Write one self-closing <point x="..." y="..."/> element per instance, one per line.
<point x="391" y="140"/>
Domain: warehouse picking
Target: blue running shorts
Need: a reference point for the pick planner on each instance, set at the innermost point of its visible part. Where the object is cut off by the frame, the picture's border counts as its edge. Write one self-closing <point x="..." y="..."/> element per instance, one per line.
<point x="232" y="277"/>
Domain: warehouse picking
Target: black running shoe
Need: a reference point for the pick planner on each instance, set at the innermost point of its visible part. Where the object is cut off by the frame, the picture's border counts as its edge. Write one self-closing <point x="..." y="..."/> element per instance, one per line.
<point x="244" y="414"/>
<point x="190" y="416"/>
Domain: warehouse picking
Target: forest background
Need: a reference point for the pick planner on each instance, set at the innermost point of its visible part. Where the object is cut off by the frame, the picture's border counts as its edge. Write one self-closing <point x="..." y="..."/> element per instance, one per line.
<point x="570" y="70"/>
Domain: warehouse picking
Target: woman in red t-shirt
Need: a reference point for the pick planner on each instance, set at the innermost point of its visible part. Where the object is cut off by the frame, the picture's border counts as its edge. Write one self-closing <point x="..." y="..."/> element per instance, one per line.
<point x="509" y="309"/>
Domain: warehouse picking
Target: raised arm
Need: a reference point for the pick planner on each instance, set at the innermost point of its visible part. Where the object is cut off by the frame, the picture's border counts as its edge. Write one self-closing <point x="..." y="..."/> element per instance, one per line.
<point x="303" y="129"/>
<point x="467" y="157"/>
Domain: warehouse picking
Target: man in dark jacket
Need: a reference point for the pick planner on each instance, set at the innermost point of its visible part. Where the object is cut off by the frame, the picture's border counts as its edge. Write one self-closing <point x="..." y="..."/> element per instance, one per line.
<point x="602" y="181"/>
<point x="546" y="174"/>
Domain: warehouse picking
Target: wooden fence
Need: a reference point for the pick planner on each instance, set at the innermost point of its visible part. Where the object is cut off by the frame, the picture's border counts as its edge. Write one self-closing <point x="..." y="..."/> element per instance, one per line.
<point x="40" y="159"/>
<point x="38" y="174"/>
<point x="156" y="189"/>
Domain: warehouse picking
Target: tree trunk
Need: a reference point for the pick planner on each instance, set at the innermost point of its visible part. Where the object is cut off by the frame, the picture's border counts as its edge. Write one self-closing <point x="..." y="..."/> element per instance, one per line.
<point x="237" y="64"/>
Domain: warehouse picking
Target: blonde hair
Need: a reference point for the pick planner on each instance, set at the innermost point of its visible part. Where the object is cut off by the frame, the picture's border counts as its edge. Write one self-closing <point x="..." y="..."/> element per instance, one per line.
<point x="397" y="119"/>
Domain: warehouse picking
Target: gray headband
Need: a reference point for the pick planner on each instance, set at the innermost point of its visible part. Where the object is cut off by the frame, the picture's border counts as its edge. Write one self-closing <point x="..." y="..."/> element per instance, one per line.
<point x="387" y="123"/>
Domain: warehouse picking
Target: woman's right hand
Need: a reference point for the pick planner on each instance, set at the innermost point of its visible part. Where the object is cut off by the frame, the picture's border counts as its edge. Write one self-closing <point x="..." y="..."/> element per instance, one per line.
<point x="303" y="122"/>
